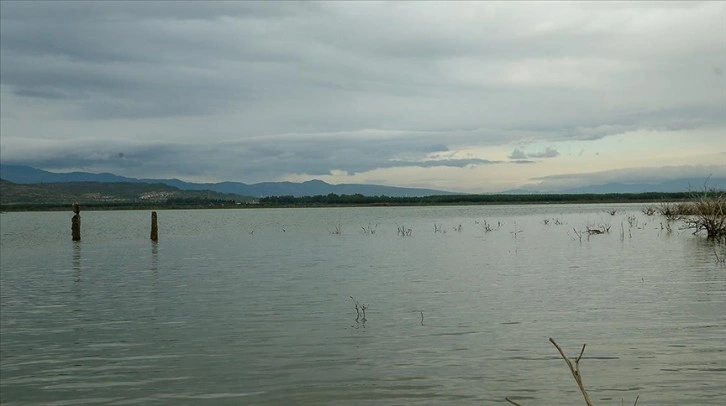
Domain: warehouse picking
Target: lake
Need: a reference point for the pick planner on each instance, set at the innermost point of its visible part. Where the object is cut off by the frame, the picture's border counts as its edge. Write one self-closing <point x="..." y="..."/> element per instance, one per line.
<point x="253" y="306"/>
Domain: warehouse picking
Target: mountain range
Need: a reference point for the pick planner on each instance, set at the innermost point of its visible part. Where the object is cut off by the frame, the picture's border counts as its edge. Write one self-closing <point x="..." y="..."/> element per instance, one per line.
<point x="21" y="174"/>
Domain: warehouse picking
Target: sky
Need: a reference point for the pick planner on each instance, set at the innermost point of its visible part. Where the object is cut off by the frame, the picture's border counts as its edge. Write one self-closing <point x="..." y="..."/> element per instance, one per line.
<point x="470" y="97"/>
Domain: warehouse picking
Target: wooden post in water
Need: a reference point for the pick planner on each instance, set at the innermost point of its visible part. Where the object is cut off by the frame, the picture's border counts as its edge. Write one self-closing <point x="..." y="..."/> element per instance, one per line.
<point x="154" y="227"/>
<point x="76" y="223"/>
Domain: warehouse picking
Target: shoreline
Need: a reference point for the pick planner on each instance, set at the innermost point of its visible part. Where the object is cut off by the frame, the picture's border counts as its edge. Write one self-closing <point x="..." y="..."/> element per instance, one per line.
<point x="282" y="202"/>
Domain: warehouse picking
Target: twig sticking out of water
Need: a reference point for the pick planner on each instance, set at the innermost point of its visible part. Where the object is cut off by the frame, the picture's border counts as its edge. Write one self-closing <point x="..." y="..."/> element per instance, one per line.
<point x="359" y="308"/>
<point x="357" y="311"/>
<point x="404" y="232"/>
<point x="622" y="401"/>
<point x="515" y="232"/>
<point x="422" y="318"/>
<point x="554" y="220"/>
<point x="486" y="226"/>
<point x="632" y="221"/>
<point x="369" y="229"/>
<point x="575" y="369"/>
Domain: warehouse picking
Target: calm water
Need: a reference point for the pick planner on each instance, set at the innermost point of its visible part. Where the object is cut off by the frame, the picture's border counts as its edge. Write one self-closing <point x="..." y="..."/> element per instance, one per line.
<point x="253" y="307"/>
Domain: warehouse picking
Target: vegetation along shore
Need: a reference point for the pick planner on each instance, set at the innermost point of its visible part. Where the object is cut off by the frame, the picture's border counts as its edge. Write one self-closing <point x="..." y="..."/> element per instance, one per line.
<point x="143" y="196"/>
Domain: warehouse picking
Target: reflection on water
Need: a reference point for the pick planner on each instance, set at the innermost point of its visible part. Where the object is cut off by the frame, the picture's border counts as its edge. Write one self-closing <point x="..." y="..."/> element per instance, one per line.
<point x="220" y="315"/>
<point x="155" y="258"/>
<point x="155" y="271"/>
<point x="77" y="260"/>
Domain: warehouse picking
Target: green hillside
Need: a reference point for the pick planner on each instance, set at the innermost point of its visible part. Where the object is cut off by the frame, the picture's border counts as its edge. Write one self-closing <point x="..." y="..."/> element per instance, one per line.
<point x="121" y="194"/>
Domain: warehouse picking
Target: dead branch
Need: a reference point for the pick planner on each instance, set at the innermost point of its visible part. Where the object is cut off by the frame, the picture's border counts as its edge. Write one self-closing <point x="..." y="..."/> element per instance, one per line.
<point x="575" y="369"/>
<point x="357" y="311"/>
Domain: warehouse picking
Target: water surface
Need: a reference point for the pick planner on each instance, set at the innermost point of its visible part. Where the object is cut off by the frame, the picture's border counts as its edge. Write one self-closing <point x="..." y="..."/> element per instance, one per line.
<point x="253" y="307"/>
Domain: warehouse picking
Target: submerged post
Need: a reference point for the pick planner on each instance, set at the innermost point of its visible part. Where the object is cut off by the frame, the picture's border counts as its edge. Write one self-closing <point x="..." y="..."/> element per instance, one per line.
<point x="154" y="227"/>
<point x="76" y="223"/>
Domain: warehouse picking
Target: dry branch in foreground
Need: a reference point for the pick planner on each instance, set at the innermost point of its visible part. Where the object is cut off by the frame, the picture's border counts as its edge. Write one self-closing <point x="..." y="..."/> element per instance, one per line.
<point x="575" y="369"/>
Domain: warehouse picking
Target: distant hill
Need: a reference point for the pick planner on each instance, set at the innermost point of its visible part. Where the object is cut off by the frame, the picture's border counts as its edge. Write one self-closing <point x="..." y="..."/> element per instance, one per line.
<point x="21" y="174"/>
<point x="25" y="174"/>
<point x="104" y="193"/>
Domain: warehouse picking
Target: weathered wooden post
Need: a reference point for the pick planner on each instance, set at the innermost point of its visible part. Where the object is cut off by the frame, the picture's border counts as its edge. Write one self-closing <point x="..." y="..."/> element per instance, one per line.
<point x="76" y="223"/>
<point x="154" y="227"/>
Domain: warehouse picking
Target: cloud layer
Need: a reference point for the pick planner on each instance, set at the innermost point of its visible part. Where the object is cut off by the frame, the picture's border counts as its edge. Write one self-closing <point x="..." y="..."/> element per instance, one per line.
<point x="269" y="91"/>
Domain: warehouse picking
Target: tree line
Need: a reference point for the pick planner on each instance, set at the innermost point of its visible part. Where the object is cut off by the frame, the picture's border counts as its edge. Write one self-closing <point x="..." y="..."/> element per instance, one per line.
<point x="333" y="199"/>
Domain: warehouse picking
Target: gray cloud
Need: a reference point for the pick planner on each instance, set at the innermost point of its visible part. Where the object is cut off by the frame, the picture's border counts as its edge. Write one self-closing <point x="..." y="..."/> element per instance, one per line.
<point x="256" y="160"/>
<point x="549" y="152"/>
<point x="518" y="154"/>
<point x="253" y="91"/>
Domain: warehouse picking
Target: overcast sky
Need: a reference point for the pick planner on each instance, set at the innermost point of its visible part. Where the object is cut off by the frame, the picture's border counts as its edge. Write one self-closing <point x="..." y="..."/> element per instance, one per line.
<point x="471" y="96"/>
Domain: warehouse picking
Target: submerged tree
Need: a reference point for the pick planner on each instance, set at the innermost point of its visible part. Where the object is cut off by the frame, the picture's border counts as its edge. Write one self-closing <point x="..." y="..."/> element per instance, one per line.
<point x="705" y="213"/>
